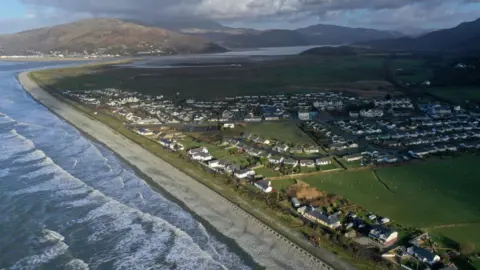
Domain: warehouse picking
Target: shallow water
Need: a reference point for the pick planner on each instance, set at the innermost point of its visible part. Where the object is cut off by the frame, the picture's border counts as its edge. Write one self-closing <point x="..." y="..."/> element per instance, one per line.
<point x="53" y="179"/>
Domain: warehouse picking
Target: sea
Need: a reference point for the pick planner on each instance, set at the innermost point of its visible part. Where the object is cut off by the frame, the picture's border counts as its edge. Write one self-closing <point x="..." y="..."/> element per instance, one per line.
<point x="67" y="202"/>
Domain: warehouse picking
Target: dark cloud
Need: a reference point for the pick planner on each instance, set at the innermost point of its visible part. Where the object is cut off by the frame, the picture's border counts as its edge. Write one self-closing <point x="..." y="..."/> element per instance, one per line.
<point x="377" y="13"/>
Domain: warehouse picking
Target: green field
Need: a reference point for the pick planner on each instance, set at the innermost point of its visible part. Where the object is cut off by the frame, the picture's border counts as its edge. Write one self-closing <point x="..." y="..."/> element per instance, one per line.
<point x="290" y="74"/>
<point x="440" y="192"/>
<point x="461" y="234"/>
<point x="287" y="132"/>
<point x="411" y="70"/>
<point x="267" y="172"/>
<point x="283" y="183"/>
<point x="458" y="94"/>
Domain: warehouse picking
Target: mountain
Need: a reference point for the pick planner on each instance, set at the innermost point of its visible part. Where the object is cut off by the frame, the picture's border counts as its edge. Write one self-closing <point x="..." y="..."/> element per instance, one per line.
<point x="106" y="36"/>
<point x="323" y="34"/>
<point x="230" y="37"/>
<point x="330" y="50"/>
<point x="464" y="37"/>
<point x="268" y="38"/>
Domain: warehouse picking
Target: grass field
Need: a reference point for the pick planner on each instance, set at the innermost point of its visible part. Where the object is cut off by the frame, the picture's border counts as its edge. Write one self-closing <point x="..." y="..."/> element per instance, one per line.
<point x="441" y="192"/>
<point x="287" y="132"/>
<point x="283" y="183"/>
<point x="456" y="94"/>
<point x="267" y="172"/>
<point x="293" y="74"/>
<point x="461" y="234"/>
<point x="411" y="70"/>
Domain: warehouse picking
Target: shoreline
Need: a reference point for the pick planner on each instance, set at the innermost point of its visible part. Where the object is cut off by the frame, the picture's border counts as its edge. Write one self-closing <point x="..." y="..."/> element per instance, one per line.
<point x="264" y="245"/>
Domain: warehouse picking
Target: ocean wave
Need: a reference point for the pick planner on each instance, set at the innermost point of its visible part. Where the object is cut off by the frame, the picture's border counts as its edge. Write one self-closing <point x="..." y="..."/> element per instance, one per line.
<point x="76" y="264"/>
<point x="145" y="229"/>
<point x="46" y="255"/>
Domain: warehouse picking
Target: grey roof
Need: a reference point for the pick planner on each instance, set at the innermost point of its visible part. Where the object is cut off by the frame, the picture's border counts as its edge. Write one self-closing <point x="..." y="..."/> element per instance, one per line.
<point x="262" y="183"/>
<point x="423" y="253"/>
<point x="327" y="219"/>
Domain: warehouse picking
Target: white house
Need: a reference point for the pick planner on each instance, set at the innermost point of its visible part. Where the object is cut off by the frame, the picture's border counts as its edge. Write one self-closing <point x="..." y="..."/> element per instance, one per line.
<point x="264" y="185"/>
<point x="165" y="142"/>
<point x="323" y="161"/>
<point x="275" y="160"/>
<point x="214" y="163"/>
<point x="228" y="125"/>
<point x="144" y="132"/>
<point x="383" y="235"/>
<point x="198" y="150"/>
<point x="354" y="157"/>
<point x="423" y="255"/>
<point x="307" y="163"/>
<point x="244" y="173"/>
<point x="290" y="162"/>
<point x="201" y="156"/>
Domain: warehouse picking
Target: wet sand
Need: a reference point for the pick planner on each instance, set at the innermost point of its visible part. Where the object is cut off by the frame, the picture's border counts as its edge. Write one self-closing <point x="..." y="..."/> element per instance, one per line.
<point x="265" y="246"/>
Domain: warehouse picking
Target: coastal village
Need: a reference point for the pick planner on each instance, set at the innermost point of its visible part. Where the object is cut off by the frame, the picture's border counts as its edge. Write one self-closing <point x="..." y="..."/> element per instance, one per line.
<point x="246" y="138"/>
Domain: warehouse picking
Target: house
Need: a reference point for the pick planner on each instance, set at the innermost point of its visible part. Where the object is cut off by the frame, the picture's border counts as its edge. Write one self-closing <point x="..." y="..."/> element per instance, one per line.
<point x="307" y="163"/>
<point x="201" y="156"/>
<point x="264" y="185"/>
<point x="275" y="160"/>
<point x="323" y="161"/>
<point x="244" y="173"/>
<point x="383" y="235"/>
<point x="231" y="168"/>
<point x="354" y="157"/>
<point x="214" y="163"/>
<point x="423" y="255"/>
<point x="311" y="149"/>
<point x="198" y="150"/>
<point x="164" y="142"/>
<point x="290" y="162"/>
<point x="295" y="202"/>
<point x="144" y="132"/>
<point x="304" y="115"/>
<point x="228" y="125"/>
<point x="296" y="150"/>
<point x="281" y="148"/>
<point x="323" y="219"/>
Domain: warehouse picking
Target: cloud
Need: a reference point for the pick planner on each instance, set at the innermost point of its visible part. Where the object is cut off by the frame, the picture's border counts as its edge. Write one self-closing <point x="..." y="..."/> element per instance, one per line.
<point x="371" y="13"/>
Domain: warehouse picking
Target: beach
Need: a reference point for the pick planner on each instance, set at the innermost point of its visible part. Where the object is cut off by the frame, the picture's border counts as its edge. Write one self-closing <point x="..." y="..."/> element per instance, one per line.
<point x="265" y="246"/>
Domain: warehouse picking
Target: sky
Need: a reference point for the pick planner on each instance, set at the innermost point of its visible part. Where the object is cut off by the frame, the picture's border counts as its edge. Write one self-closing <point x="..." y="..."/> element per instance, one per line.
<point x="402" y="15"/>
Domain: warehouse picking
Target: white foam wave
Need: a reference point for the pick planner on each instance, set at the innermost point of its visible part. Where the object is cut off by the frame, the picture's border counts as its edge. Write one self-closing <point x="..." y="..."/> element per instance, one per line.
<point x="32" y="156"/>
<point x="76" y="264"/>
<point x="4" y="172"/>
<point x="140" y="238"/>
<point x="48" y="254"/>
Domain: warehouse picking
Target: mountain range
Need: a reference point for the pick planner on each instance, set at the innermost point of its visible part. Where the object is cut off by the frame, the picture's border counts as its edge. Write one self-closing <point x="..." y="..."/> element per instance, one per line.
<point x="185" y="37"/>
<point x="132" y="37"/>
<point x="464" y="37"/>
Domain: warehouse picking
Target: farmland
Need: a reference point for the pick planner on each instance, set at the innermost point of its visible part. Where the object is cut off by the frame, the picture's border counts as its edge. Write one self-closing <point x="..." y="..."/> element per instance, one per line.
<point x="411" y="70"/>
<point x="288" y="74"/>
<point x="458" y="94"/>
<point x="427" y="195"/>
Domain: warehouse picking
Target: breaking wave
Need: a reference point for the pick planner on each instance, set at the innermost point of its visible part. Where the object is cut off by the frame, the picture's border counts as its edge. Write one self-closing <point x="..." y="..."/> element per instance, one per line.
<point x="107" y="217"/>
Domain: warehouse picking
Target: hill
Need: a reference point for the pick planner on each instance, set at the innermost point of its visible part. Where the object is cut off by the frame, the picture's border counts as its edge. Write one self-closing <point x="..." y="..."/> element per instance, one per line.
<point x="320" y="34"/>
<point x="330" y="50"/>
<point x="324" y="34"/>
<point x="105" y="36"/>
<point x="464" y="37"/>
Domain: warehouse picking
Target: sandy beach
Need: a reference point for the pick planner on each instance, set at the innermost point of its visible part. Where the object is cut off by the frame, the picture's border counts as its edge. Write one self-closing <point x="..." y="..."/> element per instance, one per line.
<point x="265" y="246"/>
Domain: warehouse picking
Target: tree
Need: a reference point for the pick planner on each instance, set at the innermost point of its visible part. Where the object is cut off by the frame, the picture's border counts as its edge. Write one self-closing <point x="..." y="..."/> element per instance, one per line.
<point x="467" y="248"/>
